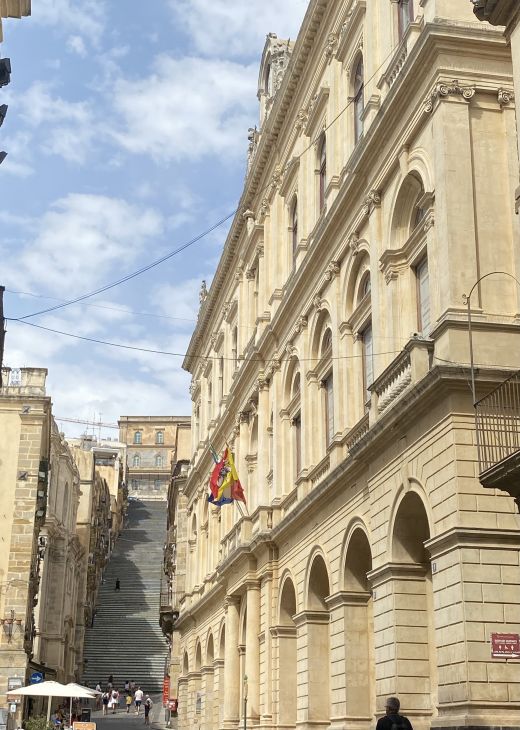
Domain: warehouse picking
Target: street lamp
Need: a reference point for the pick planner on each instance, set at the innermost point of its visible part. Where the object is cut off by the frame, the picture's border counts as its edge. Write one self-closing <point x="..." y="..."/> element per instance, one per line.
<point x="10" y="626"/>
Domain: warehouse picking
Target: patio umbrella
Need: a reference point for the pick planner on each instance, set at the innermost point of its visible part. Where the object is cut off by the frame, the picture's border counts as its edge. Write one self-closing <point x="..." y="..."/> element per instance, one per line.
<point x="52" y="689"/>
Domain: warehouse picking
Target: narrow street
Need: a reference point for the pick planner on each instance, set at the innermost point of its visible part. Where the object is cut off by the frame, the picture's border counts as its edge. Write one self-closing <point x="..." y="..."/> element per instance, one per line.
<point x="121" y="720"/>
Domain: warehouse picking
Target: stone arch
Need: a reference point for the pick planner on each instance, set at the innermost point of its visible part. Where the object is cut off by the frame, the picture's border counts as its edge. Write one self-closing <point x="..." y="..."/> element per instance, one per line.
<point x="210" y="649"/>
<point x="359" y="624"/>
<point x="198" y="656"/>
<point x="322" y="321"/>
<point x="287" y="654"/>
<point x="314" y="622"/>
<point x="185" y="664"/>
<point x="222" y="640"/>
<point x="317" y="583"/>
<point x="291" y="370"/>
<point x="409" y="193"/>
<point x="411" y="528"/>
<point x="253" y="438"/>
<point x="355" y="276"/>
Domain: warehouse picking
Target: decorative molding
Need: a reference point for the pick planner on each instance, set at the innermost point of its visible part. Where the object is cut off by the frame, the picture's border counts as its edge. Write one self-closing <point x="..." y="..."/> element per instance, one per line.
<point x="316" y="111"/>
<point x="301" y="120"/>
<point x="351" y="25"/>
<point x="505" y="96"/>
<point x="332" y="271"/>
<point x="330" y="46"/>
<point x="353" y="244"/>
<point x="373" y="200"/>
<point x="317" y="302"/>
<point x="443" y="89"/>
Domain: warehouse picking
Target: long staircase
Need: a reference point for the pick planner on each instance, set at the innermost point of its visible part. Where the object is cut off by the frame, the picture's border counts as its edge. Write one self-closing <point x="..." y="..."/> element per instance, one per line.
<point x="126" y="639"/>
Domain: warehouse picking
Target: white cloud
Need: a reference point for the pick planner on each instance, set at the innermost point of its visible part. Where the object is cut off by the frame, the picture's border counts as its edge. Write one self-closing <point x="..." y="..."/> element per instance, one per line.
<point x="84" y="18"/>
<point x="179" y="300"/>
<point x="80" y="239"/>
<point x="187" y="108"/>
<point x="237" y="28"/>
<point x="76" y="44"/>
<point x="18" y="161"/>
<point x="68" y="126"/>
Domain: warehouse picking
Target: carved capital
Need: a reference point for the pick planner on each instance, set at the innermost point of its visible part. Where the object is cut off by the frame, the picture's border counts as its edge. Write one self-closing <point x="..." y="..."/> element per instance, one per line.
<point x="353" y="244"/>
<point x="442" y="90"/>
<point x="301" y="120"/>
<point x="301" y="325"/>
<point x="429" y="221"/>
<point x="317" y="302"/>
<point x="505" y="96"/>
<point x="373" y="200"/>
<point x="332" y="271"/>
<point x="330" y="46"/>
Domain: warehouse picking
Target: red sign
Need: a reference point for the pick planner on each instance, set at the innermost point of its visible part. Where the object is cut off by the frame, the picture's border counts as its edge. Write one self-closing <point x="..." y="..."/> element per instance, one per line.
<point x="505" y="645"/>
<point x="166" y="691"/>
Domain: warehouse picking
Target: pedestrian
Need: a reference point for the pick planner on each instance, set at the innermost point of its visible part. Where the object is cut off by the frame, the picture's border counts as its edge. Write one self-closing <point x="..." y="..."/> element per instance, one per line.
<point x="138" y="698"/>
<point x="98" y="697"/>
<point x="127" y="686"/>
<point x="148" y="704"/>
<point x="132" y="686"/>
<point x="105" y="700"/>
<point x="115" y="701"/>
<point x="128" y="701"/>
<point x="392" y="720"/>
<point x="118" y="585"/>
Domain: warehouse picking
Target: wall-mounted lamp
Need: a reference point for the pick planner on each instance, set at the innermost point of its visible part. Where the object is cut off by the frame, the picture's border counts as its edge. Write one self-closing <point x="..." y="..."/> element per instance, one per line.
<point x="11" y="626"/>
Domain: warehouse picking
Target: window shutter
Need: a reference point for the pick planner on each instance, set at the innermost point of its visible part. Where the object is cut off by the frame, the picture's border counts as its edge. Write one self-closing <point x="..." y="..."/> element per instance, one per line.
<point x="423" y="286"/>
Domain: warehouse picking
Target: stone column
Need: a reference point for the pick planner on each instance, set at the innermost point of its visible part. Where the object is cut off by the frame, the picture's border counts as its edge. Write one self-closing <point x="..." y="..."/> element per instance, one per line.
<point x="252" y="664"/>
<point x="183" y="718"/>
<point x="207" y="690"/>
<point x="231" y="667"/>
<point x="262" y="462"/>
<point x="313" y="662"/>
<point x="218" y="693"/>
<point x="267" y="649"/>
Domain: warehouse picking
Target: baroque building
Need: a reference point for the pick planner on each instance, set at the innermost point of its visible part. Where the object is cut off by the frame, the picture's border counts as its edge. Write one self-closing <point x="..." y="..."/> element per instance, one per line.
<point x="152" y="443"/>
<point x="331" y="353"/>
<point x="40" y="554"/>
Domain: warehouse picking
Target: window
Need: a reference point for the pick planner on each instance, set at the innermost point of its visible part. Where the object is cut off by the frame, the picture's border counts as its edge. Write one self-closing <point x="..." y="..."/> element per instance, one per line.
<point x="322" y="172"/>
<point x="405" y="10"/>
<point x="159" y="461"/>
<point x="423" y="297"/>
<point x="328" y="384"/>
<point x="364" y="288"/>
<point x="157" y="484"/>
<point x="134" y="484"/>
<point x="234" y="346"/>
<point x="368" y="360"/>
<point x="138" y="437"/>
<point x="294" y="227"/>
<point x="297" y="423"/>
<point x="159" y="437"/>
<point x="221" y="378"/>
<point x="359" y="101"/>
<point x="137" y="460"/>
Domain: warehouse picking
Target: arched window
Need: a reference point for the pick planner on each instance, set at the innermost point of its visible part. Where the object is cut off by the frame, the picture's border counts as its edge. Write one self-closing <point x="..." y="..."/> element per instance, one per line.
<point x="359" y="101"/>
<point x="405" y="10"/>
<point x="297" y="423"/>
<point x="138" y="437"/>
<point x="234" y="346"/>
<point x="159" y="461"/>
<point x="418" y="212"/>
<point x="423" y="296"/>
<point x="322" y="172"/>
<point x="136" y="460"/>
<point x="365" y="287"/>
<point x="328" y="386"/>
<point x="159" y="437"/>
<point x="268" y="80"/>
<point x="294" y="227"/>
<point x="368" y="360"/>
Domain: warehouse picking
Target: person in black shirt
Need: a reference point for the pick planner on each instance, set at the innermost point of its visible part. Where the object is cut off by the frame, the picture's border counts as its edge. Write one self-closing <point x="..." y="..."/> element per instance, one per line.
<point x="393" y="720"/>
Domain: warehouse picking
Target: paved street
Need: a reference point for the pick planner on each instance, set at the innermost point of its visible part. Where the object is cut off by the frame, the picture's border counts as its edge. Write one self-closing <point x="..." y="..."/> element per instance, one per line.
<point x="121" y="720"/>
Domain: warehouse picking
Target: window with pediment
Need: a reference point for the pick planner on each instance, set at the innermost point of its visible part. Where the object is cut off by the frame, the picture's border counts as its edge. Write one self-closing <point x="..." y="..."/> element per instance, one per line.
<point x="136" y="460"/>
<point x="328" y="386"/>
<point x="294" y="227"/>
<point x="422" y="279"/>
<point x="138" y="437"/>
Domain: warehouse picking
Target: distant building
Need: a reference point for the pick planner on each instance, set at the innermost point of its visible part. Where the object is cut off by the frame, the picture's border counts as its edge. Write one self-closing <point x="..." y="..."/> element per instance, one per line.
<point x="153" y="442"/>
<point x="13" y="9"/>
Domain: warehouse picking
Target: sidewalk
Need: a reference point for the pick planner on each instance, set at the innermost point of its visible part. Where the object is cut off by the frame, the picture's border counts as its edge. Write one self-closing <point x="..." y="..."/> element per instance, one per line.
<point x="121" y="720"/>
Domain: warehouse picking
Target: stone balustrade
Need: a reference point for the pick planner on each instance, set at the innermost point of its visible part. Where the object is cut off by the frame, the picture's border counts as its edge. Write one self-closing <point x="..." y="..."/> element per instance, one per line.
<point x="24" y="381"/>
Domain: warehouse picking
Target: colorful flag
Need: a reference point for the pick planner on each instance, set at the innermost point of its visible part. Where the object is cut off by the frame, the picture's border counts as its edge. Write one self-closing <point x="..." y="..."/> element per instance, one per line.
<point x="224" y="483"/>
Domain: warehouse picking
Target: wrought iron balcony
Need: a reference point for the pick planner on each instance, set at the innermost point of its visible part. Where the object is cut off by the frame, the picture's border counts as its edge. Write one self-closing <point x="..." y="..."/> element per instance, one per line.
<point x="498" y="431"/>
<point x="168" y="608"/>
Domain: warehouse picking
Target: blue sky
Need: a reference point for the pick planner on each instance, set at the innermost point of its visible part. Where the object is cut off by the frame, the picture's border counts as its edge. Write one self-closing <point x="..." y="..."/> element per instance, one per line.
<point x="126" y="136"/>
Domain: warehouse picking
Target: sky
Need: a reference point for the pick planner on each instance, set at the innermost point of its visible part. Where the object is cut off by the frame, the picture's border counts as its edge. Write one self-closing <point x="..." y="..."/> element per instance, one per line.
<point x="126" y="136"/>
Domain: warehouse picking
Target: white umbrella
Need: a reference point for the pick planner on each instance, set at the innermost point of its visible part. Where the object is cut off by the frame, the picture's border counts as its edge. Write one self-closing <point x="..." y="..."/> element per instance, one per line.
<point x="52" y="689"/>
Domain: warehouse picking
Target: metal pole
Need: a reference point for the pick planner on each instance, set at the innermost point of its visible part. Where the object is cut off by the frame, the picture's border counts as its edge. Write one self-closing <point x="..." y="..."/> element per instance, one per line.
<point x="245" y="702"/>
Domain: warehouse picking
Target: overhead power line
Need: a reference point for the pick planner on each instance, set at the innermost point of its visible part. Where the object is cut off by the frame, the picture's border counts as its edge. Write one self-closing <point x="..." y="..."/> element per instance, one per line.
<point x="204" y="233"/>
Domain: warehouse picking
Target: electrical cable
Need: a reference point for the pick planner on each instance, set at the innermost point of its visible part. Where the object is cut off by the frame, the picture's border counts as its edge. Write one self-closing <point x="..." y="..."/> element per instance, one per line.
<point x="202" y="235"/>
<point x="182" y="354"/>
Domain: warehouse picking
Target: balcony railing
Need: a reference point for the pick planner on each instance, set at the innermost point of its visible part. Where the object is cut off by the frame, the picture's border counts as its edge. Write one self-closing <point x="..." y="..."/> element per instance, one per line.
<point x="498" y="429"/>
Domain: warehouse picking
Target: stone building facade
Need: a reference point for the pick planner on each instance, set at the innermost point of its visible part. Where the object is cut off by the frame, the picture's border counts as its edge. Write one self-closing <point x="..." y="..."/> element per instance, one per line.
<point x="13" y="9"/>
<point x="370" y="561"/>
<point x="153" y="443"/>
<point x="40" y="554"/>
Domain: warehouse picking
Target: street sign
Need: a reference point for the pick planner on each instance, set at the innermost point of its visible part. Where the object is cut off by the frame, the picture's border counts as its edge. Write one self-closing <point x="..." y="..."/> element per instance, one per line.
<point x="36" y="678"/>
<point x="505" y="646"/>
<point x="14" y="683"/>
<point x="166" y="690"/>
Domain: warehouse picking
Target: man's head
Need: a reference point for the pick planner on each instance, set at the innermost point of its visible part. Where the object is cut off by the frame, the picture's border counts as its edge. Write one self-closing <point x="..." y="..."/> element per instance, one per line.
<point x="392" y="706"/>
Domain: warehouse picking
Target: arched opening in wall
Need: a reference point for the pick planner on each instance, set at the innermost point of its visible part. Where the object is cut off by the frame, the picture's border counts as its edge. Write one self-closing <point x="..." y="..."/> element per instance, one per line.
<point x="197" y="680"/>
<point x="193" y="548"/>
<point x="294" y="229"/>
<point x="210" y="705"/>
<point x="250" y="479"/>
<point x="408" y="210"/>
<point x="322" y="172"/>
<point x="413" y="606"/>
<point x="65" y="509"/>
<point x="287" y="702"/>
<point x="318" y="642"/>
<point x="219" y="699"/>
<point x="234" y="346"/>
<point x="242" y="648"/>
<point x="185" y="665"/>
<point x="358" y="89"/>
<point x="206" y="553"/>
<point x="359" y="629"/>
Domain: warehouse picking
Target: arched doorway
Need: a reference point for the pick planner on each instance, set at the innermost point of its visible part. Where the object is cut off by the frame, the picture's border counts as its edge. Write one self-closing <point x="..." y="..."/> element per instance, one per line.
<point x="413" y="607"/>
<point x="359" y="628"/>
<point x="315" y="624"/>
<point x="287" y="669"/>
